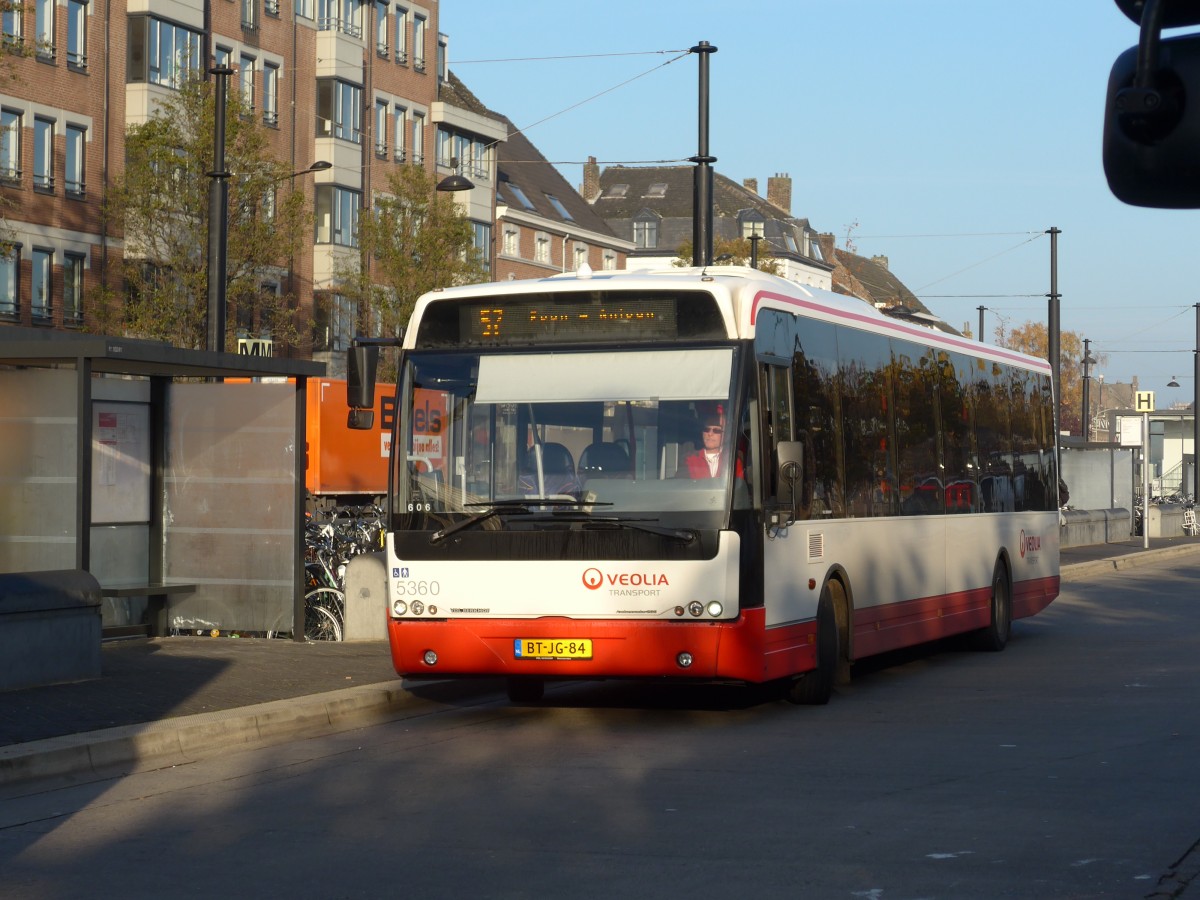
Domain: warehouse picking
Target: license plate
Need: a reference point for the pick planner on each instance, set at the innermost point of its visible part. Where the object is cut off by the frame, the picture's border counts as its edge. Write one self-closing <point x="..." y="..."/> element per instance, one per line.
<point x="552" y="648"/>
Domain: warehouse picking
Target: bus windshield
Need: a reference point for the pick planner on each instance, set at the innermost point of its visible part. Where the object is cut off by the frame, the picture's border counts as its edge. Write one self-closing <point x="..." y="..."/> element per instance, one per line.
<point x="620" y="431"/>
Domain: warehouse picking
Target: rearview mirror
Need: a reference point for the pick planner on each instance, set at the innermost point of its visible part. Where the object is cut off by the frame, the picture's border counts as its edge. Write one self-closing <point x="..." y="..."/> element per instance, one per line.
<point x="1152" y="131"/>
<point x="361" y="364"/>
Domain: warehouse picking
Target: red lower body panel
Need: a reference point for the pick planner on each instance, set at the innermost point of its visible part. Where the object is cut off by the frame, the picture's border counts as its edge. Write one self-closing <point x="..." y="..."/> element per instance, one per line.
<point x="742" y="651"/>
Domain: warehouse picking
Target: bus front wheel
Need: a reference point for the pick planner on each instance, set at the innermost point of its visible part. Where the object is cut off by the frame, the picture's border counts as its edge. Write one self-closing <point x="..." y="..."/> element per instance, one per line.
<point x="816" y="687"/>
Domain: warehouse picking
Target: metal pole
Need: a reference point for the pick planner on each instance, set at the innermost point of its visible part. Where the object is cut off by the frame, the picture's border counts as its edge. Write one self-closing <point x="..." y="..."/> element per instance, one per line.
<point x="702" y="188"/>
<point x="980" y="336"/>
<point x="1052" y="330"/>
<point x="218" y="216"/>
<point x="754" y="239"/>
<point x="1145" y="481"/>
<point x="1087" y="391"/>
<point x="1196" y="411"/>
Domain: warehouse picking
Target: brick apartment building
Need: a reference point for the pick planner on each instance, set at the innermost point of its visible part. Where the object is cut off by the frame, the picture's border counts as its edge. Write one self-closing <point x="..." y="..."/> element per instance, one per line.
<point x="349" y="82"/>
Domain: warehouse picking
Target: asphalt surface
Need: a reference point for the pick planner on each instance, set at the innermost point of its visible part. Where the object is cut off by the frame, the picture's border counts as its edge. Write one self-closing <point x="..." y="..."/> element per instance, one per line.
<point x="165" y="700"/>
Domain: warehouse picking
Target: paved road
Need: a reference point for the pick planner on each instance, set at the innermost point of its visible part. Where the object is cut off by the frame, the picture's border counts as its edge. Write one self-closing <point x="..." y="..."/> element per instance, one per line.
<point x="1062" y="767"/>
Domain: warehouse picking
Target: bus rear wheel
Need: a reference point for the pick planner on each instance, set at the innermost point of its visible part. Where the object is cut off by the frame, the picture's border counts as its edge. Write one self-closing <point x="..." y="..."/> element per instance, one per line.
<point x="994" y="636"/>
<point x="526" y="688"/>
<point x="816" y="687"/>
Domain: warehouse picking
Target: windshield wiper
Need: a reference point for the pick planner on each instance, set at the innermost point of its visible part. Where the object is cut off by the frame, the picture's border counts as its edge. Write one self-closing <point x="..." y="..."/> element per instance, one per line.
<point x="504" y="508"/>
<point x="650" y="526"/>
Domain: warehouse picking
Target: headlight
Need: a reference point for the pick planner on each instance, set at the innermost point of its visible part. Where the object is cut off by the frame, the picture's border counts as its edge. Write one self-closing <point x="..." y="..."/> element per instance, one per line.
<point x="399" y="608"/>
<point x="715" y="609"/>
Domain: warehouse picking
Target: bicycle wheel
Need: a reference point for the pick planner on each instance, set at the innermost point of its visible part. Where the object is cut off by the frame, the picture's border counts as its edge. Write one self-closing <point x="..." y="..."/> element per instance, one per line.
<point x="323" y="614"/>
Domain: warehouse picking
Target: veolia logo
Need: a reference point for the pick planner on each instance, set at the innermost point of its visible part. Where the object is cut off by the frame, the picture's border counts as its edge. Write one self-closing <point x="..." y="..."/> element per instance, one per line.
<point x="592" y="579"/>
<point x="1030" y="543"/>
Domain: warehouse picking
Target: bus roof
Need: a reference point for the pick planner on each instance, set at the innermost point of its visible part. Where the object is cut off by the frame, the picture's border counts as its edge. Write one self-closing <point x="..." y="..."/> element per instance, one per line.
<point x="741" y="293"/>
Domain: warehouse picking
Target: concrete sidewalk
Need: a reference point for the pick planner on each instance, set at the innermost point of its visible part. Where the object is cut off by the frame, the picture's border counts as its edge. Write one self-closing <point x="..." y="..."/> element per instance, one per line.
<point x="166" y="700"/>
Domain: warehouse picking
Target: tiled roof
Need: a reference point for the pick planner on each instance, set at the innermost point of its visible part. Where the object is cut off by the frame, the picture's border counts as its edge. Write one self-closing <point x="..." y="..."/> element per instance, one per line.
<point x="522" y="166"/>
<point x="626" y="192"/>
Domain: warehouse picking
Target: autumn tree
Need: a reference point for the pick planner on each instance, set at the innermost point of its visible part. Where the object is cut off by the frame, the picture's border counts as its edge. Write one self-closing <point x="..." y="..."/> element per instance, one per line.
<point x="1032" y="338"/>
<point x="412" y="240"/>
<point x="733" y="252"/>
<point x="161" y="204"/>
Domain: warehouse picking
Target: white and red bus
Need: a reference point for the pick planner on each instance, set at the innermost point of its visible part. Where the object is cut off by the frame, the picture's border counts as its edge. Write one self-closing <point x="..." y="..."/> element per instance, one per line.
<point x="882" y="485"/>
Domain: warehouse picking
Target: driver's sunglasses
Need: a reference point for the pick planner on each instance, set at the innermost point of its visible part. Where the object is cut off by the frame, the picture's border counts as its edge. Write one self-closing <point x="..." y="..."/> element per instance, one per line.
<point x="714" y="429"/>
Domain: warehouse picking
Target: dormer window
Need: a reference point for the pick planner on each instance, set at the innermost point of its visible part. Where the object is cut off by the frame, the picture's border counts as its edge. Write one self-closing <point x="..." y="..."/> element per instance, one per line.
<point x="520" y="195"/>
<point x="751" y="222"/>
<point x="645" y="230"/>
<point x="559" y="208"/>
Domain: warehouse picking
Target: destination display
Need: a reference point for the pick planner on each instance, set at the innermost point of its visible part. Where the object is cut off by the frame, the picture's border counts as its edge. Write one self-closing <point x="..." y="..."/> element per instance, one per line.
<point x="571" y="318"/>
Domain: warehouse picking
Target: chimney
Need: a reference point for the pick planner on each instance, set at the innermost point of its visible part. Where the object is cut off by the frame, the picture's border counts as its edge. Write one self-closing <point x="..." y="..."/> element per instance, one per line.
<point x="750" y="184"/>
<point x="825" y="241"/>
<point x="779" y="191"/>
<point x="591" y="180"/>
<point x="880" y="261"/>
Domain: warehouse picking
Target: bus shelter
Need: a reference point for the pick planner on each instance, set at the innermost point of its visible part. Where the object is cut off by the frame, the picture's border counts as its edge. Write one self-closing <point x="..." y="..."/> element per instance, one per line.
<point x="175" y="477"/>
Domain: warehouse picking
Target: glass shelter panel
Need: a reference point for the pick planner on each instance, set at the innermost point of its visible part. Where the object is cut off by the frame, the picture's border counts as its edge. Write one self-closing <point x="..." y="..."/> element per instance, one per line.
<point x="231" y="514"/>
<point x="37" y="470"/>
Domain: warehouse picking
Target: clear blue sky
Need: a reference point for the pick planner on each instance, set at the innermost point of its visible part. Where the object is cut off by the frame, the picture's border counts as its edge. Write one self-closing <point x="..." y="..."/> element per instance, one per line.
<point x="946" y="135"/>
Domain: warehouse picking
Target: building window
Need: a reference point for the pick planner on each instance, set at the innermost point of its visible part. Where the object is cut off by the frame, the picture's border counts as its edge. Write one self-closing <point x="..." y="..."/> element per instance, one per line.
<point x="541" y="248"/>
<point x="339" y="110"/>
<point x="381" y="122"/>
<point x="271" y="8"/>
<point x="483" y="243"/>
<point x="443" y="58"/>
<point x="382" y="13"/>
<point x="74" y="161"/>
<point x="10" y="145"/>
<point x="270" y="95"/>
<point x="11" y="20"/>
<point x="43" y="154"/>
<point x="40" y="286"/>
<point x="246" y="81"/>
<point x="44" y="25"/>
<point x="418" y="42"/>
<point x="658" y="190"/>
<point x="162" y="53"/>
<point x="752" y="223"/>
<point x="73" y="267"/>
<point x="77" y="28"/>
<point x="581" y="256"/>
<point x="223" y="57"/>
<point x="304" y="8"/>
<point x="418" y="138"/>
<point x="401" y="35"/>
<point x="345" y="16"/>
<point x="399" y="132"/>
<point x="337" y="215"/>
<point x="520" y="196"/>
<point x="512" y="241"/>
<point x="250" y="14"/>
<point x="610" y="261"/>
<point x="558" y="207"/>
<point x="10" y="268"/>
<point x="645" y="233"/>
<point x="337" y="322"/>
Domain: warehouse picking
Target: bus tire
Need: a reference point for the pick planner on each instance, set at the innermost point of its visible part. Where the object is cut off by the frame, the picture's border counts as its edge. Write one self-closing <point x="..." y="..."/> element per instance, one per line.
<point x="816" y="687"/>
<point x="994" y="637"/>
<point x="526" y="688"/>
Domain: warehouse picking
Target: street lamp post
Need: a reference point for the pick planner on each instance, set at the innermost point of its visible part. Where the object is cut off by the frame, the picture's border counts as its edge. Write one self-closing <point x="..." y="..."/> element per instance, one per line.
<point x="218" y="216"/>
<point x="1088" y="362"/>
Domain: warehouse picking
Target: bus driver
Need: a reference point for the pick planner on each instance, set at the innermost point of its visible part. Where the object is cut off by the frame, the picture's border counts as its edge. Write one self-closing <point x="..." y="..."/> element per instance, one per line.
<point x="708" y="461"/>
